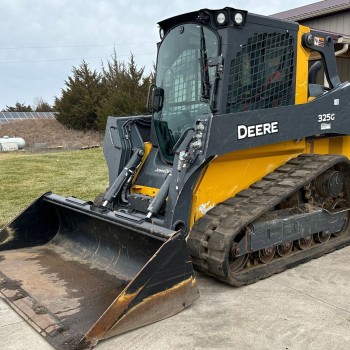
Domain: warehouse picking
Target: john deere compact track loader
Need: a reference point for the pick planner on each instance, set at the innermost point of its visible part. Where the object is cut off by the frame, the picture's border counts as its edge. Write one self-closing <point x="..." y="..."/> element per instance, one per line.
<point x="244" y="160"/>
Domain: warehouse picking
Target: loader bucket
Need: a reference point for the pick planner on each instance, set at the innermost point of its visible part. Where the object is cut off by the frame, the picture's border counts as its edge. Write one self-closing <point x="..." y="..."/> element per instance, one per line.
<point x="79" y="274"/>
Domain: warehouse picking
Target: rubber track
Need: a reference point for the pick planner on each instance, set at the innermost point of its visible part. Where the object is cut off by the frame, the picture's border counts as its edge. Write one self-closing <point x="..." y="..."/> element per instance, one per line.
<point x="211" y="236"/>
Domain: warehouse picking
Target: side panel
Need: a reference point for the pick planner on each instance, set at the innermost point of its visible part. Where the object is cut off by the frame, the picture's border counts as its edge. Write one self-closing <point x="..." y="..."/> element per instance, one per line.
<point x="326" y="115"/>
<point x="123" y="134"/>
<point x="332" y="145"/>
<point x="229" y="174"/>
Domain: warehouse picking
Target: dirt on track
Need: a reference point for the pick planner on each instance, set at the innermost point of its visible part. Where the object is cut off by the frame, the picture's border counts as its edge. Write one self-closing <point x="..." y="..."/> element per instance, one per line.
<point x="42" y="135"/>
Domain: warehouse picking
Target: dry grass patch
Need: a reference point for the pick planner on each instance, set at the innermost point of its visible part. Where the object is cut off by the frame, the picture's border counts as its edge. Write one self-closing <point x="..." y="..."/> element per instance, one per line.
<point x="40" y="134"/>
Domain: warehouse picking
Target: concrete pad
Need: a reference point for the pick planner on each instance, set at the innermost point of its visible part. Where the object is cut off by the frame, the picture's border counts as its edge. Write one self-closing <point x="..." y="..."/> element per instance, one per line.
<point x="303" y="308"/>
<point x="8" y="316"/>
<point x="21" y="336"/>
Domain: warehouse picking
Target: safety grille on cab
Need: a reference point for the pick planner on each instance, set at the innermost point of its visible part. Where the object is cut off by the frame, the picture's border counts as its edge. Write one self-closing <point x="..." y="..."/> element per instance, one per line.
<point x="261" y="75"/>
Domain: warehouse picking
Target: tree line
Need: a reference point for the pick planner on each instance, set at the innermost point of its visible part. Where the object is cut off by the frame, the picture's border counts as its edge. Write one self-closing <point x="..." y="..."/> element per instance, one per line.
<point x="90" y="96"/>
<point x="39" y="106"/>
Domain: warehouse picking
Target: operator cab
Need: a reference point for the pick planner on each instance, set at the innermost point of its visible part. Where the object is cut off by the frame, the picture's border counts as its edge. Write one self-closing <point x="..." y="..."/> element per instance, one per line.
<point x="208" y="65"/>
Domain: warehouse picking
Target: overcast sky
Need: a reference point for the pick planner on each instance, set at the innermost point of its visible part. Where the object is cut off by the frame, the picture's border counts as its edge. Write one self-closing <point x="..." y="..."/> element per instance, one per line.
<point x="42" y="40"/>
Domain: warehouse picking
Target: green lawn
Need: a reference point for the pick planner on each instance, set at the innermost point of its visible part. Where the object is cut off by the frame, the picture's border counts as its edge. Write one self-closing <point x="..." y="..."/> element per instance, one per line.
<point x="25" y="176"/>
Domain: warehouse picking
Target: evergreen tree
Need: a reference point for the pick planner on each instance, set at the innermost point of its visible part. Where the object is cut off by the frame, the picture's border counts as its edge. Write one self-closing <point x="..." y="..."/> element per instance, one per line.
<point x="19" y="107"/>
<point x="126" y="89"/>
<point x="80" y="100"/>
<point x="90" y="97"/>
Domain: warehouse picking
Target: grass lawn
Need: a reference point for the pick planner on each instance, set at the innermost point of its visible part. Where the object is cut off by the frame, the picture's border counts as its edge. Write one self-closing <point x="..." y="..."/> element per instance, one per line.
<point x="26" y="176"/>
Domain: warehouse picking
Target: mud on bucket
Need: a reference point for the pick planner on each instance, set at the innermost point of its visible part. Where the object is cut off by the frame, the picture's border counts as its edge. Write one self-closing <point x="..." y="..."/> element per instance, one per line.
<point x="78" y="275"/>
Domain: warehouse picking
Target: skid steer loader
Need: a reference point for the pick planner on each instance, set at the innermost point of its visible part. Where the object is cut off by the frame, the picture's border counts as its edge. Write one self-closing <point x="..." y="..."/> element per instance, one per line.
<point x="244" y="162"/>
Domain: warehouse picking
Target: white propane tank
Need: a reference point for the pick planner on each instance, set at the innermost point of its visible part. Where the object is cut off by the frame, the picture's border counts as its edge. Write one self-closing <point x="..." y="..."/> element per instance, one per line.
<point x="8" y="144"/>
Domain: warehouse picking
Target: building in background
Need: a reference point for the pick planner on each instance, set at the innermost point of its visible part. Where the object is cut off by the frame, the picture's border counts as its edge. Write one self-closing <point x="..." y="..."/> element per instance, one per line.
<point x="331" y="16"/>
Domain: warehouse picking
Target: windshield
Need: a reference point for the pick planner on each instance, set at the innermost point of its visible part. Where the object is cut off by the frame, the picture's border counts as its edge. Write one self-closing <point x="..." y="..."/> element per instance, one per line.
<point x="183" y="74"/>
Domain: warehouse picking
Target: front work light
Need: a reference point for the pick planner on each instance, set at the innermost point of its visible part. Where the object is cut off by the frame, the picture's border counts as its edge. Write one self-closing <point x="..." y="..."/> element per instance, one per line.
<point x="161" y="33"/>
<point x="221" y="18"/>
<point x="238" y="19"/>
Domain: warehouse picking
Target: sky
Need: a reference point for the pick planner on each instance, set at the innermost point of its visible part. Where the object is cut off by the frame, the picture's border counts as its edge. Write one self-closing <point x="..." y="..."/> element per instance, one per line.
<point x="41" y="41"/>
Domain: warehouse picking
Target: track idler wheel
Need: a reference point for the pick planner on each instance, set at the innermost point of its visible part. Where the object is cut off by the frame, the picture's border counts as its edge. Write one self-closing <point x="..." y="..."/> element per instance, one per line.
<point x="266" y="255"/>
<point x="304" y="243"/>
<point x="236" y="262"/>
<point x="284" y="249"/>
<point x="341" y="204"/>
<point x="322" y="237"/>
